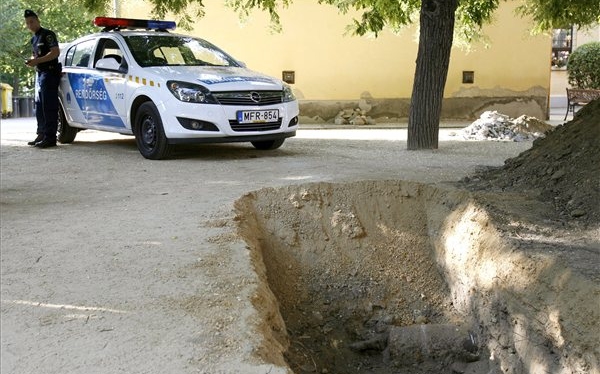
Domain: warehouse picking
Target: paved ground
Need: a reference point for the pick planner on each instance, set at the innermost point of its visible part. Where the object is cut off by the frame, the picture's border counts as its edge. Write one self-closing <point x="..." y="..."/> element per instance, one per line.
<point x="112" y="263"/>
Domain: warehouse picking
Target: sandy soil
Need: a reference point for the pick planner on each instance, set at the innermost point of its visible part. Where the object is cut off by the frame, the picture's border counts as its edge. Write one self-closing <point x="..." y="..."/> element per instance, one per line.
<point x="116" y="264"/>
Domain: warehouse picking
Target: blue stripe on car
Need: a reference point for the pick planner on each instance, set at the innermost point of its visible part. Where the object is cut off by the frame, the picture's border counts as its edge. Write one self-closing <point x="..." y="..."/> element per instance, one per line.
<point x="94" y="100"/>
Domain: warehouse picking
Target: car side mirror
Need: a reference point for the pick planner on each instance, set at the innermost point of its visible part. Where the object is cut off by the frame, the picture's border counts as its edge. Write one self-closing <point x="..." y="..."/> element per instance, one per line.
<point x="242" y="64"/>
<point x="110" y="64"/>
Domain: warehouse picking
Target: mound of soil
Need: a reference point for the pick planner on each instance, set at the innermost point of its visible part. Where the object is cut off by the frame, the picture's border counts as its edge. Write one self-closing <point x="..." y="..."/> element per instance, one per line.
<point x="562" y="169"/>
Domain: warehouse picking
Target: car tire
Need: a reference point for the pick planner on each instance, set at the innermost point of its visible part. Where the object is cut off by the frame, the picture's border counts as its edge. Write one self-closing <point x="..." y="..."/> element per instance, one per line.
<point x="64" y="132"/>
<point x="149" y="133"/>
<point x="266" y="145"/>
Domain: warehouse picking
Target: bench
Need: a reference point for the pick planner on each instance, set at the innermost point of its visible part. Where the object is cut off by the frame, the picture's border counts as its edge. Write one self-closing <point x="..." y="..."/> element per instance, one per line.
<point x="579" y="97"/>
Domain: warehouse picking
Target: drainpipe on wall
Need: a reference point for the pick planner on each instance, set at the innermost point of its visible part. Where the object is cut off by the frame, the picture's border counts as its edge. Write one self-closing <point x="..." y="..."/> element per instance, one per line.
<point x="116" y="8"/>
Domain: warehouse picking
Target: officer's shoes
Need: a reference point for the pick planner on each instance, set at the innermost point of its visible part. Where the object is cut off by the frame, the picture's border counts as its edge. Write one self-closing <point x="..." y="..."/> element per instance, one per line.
<point x="46" y="143"/>
<point x="37" y="140"/>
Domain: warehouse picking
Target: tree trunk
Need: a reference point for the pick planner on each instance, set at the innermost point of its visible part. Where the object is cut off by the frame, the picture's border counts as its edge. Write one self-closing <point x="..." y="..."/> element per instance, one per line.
<point x="433" y="58"/>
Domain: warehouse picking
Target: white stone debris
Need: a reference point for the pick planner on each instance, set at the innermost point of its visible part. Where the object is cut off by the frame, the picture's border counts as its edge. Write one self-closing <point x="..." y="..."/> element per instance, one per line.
<point x="356" y="116"/>
<point x="492" y="125"/>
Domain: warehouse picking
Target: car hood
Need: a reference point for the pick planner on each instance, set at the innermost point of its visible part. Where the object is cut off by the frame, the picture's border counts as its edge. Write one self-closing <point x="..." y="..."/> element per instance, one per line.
<point x="220" y="78"/>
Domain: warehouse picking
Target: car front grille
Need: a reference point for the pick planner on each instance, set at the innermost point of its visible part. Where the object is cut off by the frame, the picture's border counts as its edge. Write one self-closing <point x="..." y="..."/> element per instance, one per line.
<point x="249" y="97"/>
<point x="236" y="126"/>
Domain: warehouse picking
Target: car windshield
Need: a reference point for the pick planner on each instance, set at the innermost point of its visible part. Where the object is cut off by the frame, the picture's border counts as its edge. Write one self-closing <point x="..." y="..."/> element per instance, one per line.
<point x="176" y="50"/>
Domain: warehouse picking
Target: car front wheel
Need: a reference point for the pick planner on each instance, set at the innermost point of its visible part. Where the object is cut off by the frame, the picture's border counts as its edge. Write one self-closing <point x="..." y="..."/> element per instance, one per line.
<point x="266" y="145"/>
<point x="149" y="133"/>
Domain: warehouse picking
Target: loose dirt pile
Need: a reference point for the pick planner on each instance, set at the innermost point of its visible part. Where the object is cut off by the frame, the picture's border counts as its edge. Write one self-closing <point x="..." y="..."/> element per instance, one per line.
<point x="562" y="169"/>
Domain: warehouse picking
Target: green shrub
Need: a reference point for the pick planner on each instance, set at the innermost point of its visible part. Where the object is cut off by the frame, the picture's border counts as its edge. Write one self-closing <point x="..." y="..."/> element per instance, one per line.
<point x="584" y="66"/>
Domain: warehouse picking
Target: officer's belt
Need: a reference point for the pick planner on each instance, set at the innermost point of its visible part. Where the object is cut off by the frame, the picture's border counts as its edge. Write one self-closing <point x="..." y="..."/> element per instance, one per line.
<point x="47" y="68"/>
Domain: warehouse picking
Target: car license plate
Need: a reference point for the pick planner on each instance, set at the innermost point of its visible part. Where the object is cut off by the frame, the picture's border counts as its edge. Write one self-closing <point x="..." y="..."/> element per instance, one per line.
<point x="257" y="116"/>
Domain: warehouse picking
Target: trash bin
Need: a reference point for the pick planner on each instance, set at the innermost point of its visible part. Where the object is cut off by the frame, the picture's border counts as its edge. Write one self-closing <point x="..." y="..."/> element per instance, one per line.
<point x="15" y="106"/>
<point x="7" y="100"/>
<point x="26" y="106"/>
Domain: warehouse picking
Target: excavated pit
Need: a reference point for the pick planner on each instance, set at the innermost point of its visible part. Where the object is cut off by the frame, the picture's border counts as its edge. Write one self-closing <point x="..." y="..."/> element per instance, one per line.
<point x="349" y="271"/>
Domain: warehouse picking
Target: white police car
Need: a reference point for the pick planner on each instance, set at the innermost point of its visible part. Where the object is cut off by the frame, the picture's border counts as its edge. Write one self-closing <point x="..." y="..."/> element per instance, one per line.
<point x="137" y="78"/>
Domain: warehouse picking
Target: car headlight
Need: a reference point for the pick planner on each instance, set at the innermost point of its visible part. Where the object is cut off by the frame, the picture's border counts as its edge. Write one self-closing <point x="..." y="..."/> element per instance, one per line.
<point x="191" y="93"/>
<point x="288" y="95"/>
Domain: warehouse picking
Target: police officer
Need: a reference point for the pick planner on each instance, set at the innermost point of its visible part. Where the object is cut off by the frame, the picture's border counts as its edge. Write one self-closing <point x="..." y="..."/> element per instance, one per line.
<point x="45" y="60"/>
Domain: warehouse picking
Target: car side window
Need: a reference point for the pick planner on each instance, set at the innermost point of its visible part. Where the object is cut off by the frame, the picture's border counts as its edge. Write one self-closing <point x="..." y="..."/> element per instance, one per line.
<point x="108" y="48"/>
<point x="79" y="54"/>
<point x="69" y="56"/>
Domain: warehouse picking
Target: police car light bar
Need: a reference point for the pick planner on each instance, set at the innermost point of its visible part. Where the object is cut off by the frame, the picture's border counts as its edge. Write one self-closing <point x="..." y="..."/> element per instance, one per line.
<point x="110" y="23"/>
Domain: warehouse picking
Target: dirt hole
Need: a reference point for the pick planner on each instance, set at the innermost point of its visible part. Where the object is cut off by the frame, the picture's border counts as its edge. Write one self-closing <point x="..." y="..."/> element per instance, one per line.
<point x="352" y="270"/>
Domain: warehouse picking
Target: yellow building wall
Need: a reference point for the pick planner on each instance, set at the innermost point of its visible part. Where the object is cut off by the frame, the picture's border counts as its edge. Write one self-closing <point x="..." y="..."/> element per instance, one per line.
<point x="514" y="60"/>
<point x="331" y="64"/>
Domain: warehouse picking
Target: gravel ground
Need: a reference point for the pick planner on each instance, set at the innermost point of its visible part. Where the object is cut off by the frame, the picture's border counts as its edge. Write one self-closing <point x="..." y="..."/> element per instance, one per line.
<point x="112" y="263"/>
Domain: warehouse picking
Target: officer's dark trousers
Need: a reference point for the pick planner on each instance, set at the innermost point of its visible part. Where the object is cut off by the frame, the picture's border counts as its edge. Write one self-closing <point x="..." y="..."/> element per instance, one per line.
<point x="46" y="109"/>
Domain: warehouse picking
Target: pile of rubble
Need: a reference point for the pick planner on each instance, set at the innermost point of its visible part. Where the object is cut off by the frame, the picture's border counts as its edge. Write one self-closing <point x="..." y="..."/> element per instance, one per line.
<point x="492" y="125"/>
<point x="356" y="116"/>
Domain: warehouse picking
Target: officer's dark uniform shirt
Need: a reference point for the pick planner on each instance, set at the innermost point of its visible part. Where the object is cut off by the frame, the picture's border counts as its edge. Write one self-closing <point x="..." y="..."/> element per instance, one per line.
<point x="41" y="42"/>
